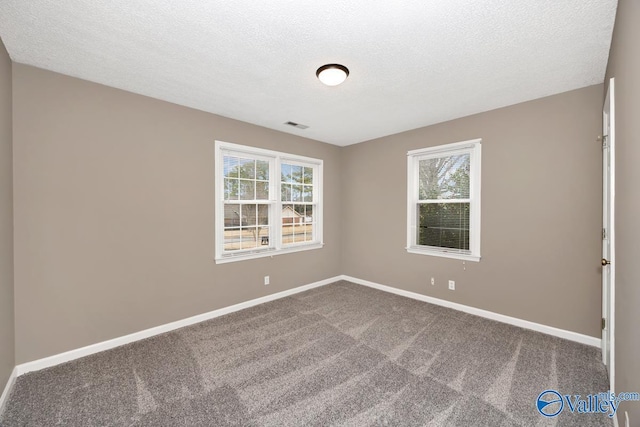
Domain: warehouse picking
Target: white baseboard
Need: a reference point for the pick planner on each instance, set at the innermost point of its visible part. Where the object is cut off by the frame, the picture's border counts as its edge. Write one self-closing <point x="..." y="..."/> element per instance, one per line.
<point x="7" y="389"/>
<point x="68" y="356"/>
<point x="549" y="330"/>
<point x="57" y="359"/>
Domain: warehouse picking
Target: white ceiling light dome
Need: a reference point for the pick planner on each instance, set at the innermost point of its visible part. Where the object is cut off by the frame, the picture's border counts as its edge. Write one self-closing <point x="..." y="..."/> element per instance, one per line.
<point x="332" y="74"/>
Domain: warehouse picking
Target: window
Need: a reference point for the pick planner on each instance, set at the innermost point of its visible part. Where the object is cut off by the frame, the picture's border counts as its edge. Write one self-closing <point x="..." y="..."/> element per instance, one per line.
<point x="267" y="202"/>
<point x="443" y="201"/>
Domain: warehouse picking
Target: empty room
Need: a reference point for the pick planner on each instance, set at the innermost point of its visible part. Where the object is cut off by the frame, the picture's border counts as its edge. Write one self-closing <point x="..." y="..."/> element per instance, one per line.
<point x="354" y="213"/>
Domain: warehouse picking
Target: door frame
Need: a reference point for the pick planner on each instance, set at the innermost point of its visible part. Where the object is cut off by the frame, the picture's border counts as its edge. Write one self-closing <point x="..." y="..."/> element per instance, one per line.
<point x="608" y="225"/>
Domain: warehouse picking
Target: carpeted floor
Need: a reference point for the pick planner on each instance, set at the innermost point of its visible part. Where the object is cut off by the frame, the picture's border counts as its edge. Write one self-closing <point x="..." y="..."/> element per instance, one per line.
<point x="341" y="354"/>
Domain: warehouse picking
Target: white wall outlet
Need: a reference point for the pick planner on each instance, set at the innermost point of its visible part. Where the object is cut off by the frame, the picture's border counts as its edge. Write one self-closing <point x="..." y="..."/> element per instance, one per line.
<point x="433" y="281"/>
<point x="266" y="280"/>
<point x="452" y="285"/>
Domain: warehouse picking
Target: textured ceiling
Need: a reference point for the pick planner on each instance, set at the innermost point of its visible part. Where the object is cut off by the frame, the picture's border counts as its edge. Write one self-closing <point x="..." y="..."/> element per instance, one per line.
<point x="412" y="63"/>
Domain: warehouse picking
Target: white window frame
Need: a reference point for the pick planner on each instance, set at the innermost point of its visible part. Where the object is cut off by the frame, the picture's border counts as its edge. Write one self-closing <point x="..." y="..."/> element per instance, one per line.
<point x="473" y="148"/>
<point x="275" y="158"/>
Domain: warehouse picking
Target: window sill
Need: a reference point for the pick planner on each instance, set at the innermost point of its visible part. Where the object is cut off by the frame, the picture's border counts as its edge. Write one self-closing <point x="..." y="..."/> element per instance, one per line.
<point x="444" y="254"/>
<point x="268" y="253"/>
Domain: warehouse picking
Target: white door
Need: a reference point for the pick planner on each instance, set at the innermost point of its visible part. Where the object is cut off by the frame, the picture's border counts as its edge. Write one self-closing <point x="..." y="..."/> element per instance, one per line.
<point x="608" y="232"/>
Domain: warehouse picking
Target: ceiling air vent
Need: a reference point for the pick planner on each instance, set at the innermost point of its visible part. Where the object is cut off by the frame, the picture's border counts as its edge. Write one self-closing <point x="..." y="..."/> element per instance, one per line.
<point x="296" y="125"/>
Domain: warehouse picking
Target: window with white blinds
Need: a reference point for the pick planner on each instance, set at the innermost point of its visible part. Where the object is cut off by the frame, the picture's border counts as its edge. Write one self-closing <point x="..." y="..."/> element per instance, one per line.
<point x="267" y="202"/>
<point x="443" y="201"/>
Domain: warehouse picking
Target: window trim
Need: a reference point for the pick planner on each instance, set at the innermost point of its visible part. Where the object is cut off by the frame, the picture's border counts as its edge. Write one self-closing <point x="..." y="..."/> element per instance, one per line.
<point x="474" y="148"/>
<point x="276" y="158"/>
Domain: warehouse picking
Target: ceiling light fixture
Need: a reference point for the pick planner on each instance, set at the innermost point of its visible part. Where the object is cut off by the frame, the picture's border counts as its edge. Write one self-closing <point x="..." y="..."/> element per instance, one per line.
<point x="332" y="74"/>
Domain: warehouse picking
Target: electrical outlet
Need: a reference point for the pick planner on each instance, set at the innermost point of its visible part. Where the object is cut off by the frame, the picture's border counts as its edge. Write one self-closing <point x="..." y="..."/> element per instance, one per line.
<point x="452" y="285"/>
<point x="266" y="280"/>
<point x="433" y="281"/>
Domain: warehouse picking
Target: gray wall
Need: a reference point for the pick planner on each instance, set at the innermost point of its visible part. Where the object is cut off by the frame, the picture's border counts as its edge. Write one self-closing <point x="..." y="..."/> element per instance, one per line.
<point x="114" y="213"/>
<point x="541" y="212"/>
<point x="6" y="222"/>
<point x="624" y="65"/>
<point x="114" y="225"/>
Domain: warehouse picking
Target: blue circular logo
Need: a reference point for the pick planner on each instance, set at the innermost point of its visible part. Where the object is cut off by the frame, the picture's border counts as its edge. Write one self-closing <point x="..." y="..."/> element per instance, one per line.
<point x="550" y="403"/>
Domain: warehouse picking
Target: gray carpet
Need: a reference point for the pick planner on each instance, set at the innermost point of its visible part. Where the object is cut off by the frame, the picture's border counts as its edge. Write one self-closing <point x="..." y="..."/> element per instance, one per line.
<point x="342" y="354"/>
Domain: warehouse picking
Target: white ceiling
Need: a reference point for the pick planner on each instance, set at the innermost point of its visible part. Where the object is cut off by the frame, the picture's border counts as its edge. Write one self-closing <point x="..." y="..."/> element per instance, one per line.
<point x="413" y="63"/>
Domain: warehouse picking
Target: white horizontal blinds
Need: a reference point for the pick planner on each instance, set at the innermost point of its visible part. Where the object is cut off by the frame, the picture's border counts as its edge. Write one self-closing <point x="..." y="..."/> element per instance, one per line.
<point x="298" y="197"/>
<point x="444" y="201"/>
<point x="247" y="219"/>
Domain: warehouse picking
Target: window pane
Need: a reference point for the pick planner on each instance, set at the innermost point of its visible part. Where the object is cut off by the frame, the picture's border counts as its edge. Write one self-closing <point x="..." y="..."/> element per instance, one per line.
<point x="291" y="214"/>
<point x="287" y="233"/>
<point x="308" y="215"/>
<point x="298" y="233"/>
<point x="230" y="166"/>
<point x="286" y="192"/>
<point x="248" y="214"/>
<point x="247" y="190"/>
<point x="308" y="176"/>
<point x="296" y="174"/>
<point x="231" y="216"/>
<point x="444" y="225"/>
<point x="296" y="193"/>
<point x="231" y="239"/>
<point x="262" y="170"/>
<point x="307" y="193"/>
<point x="247" y="168"/>
<point x="249" y="237"/>
<point x="307" y="222"/>
<point x="286" y="173"/>
<point x="263" y="215"/>
<point x="231" y="189"/>
<point x="262" y="190"/>
<point x="444" y="177"/>
<point x="263" y="236"/>
<point x="299" y="213"/>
